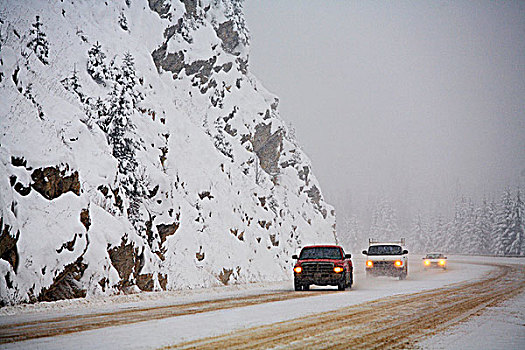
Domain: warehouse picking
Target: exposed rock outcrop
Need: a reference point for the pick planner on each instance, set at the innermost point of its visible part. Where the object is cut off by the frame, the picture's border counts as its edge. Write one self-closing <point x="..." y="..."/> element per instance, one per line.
<point x="268" y="147"/>
<point x="170" y="62"/>
<point x="51" y="182"/>
<point x="166" y="230"/>
<point x="162" y="7"/>
<point x="8" y="249"/>
<point x="146" y="282"/>
<point x="67" y="284"/>
<point x="125" y="259"/>
<point x="224" y="275"/>
<point x="85" y="219"/>
<point x="228" y="36"/>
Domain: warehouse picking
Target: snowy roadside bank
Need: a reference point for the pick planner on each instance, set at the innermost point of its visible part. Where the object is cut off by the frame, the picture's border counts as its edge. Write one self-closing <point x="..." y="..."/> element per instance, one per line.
<point x="496" y="327"/>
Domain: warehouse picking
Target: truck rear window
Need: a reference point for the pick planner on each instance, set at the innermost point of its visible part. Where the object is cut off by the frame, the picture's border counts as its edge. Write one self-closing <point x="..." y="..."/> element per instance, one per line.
<point x="385" y="250"/>
<point x="320" y="253"/>
<point x="434" y="256"/>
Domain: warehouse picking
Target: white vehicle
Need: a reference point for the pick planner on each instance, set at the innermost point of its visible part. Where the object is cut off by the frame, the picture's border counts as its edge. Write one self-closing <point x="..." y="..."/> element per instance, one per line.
<point x="386" y="259"/>
<point x="435" y="260"/>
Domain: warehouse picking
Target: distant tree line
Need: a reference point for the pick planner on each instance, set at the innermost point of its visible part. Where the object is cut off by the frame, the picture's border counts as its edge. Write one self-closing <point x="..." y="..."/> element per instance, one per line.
<point x="492" y="227"/>
<point x="487" y="228"/>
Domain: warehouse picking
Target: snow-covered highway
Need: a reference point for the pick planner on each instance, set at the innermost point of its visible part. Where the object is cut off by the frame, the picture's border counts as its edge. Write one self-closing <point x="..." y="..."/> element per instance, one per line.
<point x="377" y="312"/>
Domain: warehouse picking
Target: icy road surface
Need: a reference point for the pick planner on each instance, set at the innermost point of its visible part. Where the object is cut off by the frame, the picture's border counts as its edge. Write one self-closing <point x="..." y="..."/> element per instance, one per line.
<point x="380" y="312"/>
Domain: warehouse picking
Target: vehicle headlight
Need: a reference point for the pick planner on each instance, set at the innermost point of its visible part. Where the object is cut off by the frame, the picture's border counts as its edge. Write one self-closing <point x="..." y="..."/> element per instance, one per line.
<point x="369" y="263"/>
<point x="398" y="263"/>
<point x="427" y="262"/>
<point x="338" y="269"/>
<point x="298" y="269"/>
<point x="442" y="262"/>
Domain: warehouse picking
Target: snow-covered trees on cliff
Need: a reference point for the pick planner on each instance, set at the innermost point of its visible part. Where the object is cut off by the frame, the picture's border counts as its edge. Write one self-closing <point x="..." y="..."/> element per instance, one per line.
<point x="38" y="42"/>
<point x="96" y="66"/>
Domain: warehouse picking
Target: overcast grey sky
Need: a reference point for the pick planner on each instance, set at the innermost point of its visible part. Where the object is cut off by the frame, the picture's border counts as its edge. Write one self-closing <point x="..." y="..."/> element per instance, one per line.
<point x="413" y="98"/>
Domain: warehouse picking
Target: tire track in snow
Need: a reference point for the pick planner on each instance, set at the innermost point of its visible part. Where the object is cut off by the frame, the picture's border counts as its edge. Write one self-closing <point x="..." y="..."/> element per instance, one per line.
<point x="392" y="322"/>
<point x="77" y="323"/>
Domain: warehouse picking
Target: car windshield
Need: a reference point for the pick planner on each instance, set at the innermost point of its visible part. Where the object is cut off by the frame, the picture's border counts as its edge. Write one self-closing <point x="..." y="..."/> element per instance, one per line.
<point x="320" y="253"/>
<point x="433" y="256"/>
<point x="384" y="250"/>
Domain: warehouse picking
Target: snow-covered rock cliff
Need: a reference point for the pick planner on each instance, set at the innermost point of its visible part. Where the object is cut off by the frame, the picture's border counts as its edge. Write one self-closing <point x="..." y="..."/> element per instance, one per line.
<point x="137" y="152"/>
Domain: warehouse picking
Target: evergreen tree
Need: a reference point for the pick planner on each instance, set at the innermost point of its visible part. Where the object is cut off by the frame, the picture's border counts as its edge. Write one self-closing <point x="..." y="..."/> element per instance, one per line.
<point x="115" y="119"/>
<point x="447" y="243"/>
<point x="520" y="221"/>
<point x="120" y="129"/>
<point x="419" y="236"/>
<point x="454" y="230"/>
<point x="503" y="224"/>
<point x="1" y="61"/>
<point x="96" y="67"/>
<point x="516" y="231"/>
<point x="353" y="238"/>
<point x="39" y="43"/>
<point x="384" y="222"/>
<point x="28" y="93"/>
<point x="127" y="78"/>
<point x="122" y="21"/>
<point x="484" y="227"/>
<point x="476" y="239"/>
<point x="439" y="233"/>
<point x="459" y="230"/>
<point x="468" y="241"/>
<point x="72" y="84"/>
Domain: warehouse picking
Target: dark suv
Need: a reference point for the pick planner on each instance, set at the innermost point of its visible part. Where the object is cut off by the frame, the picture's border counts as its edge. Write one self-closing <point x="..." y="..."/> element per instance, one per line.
<point x="323" y="265"/>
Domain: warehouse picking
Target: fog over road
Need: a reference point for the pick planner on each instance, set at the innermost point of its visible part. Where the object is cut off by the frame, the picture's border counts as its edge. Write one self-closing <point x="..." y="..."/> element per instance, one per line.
<point x="377" y="312"/>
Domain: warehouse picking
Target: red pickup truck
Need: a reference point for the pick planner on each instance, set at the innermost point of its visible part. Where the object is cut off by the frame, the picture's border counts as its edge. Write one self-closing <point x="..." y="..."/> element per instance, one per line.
<point x="323" y="265"/>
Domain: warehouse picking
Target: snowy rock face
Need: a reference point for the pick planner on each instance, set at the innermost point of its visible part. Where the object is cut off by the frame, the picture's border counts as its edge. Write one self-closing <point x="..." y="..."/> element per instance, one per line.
<point x="138" y="153"/>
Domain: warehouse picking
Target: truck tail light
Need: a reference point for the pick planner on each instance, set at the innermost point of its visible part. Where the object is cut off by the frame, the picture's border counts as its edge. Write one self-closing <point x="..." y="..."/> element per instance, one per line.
<point x="338" y="269"/>
<point x="369" y="263"/>
<point x="398" y="263"/>
<point x="298" y="269"/>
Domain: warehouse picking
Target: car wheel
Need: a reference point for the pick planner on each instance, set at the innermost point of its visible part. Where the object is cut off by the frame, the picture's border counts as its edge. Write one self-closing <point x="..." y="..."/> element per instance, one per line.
<point x="297" y="286"/>
<point x="403" y="274"/>
<point x="342" y="284"/>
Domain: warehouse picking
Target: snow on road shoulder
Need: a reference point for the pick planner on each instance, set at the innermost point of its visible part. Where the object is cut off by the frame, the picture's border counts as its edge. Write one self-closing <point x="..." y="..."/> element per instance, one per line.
<point x="498" y="327"/>
<point x="116" y="303"/>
